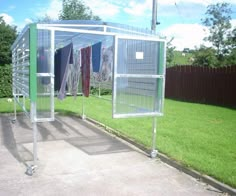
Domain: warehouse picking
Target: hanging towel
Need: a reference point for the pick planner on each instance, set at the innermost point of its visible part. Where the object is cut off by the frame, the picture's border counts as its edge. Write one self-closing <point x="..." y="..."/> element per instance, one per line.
<point x="96" y="56"/>
<point x="85" y="70"/>
<point x="63" y="58"/>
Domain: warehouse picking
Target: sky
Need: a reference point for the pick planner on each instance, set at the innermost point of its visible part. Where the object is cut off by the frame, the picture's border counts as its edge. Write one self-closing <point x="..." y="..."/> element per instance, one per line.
<point x="179" y="19"/>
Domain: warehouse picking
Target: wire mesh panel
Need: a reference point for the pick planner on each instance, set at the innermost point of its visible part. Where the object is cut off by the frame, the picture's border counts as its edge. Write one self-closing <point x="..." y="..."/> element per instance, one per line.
<point x="138" y="79"/>
<point x="20" y="61"/>
<point x="21" y="70"/>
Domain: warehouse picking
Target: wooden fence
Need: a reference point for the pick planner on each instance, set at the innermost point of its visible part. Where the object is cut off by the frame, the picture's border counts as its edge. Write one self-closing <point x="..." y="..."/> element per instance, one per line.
<point x="215" y="86"/>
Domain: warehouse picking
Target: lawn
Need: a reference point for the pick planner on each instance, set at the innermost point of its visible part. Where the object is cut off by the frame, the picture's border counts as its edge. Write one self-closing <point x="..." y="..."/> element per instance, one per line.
<point x="180" y="59"/>
<point x="199" y="136"/>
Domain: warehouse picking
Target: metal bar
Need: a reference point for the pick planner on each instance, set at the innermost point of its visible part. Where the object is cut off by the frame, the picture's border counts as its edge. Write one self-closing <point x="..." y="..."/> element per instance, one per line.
<point x="35" y="147"/>
<point x="42" y="26"/>
<point x="137" y="115"/>
<point x="154" y="134"/>
<point x="45" y="74"/>
<point x="129" y="31"/>
<point x="33" y="62"/>
<point x="141" y="38"/>
<point x="22" y="106"/>
<point x="83" y="108"/>
<point x="104" y="27"/>
<point x="154" y="15"/>
<point x="78" y="30"/>
<point x="19" y="37"/>
<point x="99" y="90"/>
<point x="114" y="76"/>
<point x="138" y="76"/>
<point x="14" y="108"/>
<point x="52" y="73"/>
<point x="44" y="119"/>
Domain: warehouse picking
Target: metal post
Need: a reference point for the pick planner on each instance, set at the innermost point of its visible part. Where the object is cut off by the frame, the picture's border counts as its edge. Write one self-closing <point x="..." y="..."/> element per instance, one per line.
<point x="31" y="169"/>
<point x="99" y="90"/>
<point x="52" y="78"/>
<point x="83" y="108"/>
<point x="154" y="15"/>
<point x="35" y="135"/>
<point x="13" y="120"/>
<point x="154" y="133"/>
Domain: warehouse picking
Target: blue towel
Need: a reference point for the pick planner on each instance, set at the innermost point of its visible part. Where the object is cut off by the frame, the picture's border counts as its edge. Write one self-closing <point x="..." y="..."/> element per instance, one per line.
<point x="96" y="56"/>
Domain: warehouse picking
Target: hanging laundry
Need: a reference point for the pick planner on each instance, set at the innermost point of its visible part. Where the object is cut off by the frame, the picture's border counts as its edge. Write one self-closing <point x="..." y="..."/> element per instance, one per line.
<point x="73" y="75"/>
<point x="96" y="56"/>
<point x="63" y="58"/>
<point x="107" y="64"/>
<point x="85" y="70"/>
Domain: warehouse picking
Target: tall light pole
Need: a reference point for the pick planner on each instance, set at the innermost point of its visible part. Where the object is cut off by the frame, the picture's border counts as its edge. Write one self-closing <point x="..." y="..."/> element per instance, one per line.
<point x="154" y="15"/>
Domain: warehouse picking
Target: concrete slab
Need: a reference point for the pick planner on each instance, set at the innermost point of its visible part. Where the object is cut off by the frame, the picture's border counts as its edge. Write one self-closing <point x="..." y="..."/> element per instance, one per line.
<point x="77" y="158"/>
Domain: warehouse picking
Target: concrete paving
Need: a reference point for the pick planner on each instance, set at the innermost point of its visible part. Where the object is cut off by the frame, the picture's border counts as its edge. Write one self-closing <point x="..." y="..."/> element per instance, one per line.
<point x="78" y="158"/>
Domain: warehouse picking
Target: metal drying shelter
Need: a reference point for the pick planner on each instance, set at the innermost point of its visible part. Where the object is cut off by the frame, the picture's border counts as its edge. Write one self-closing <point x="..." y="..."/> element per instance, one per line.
<point x="138" y="69"/>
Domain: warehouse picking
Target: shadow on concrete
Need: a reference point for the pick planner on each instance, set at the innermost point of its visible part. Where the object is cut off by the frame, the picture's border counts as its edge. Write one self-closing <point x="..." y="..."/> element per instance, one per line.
<point x="85" y="137"/>
<point x="9" y="141"/>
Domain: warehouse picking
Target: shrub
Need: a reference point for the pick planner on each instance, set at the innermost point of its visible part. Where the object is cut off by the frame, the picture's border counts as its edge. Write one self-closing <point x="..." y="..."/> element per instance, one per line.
<point x="5" y="81"/>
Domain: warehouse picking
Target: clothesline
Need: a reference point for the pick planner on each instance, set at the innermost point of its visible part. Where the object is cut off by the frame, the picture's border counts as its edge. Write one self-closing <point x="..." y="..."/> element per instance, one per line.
<point x="70" y="63"/>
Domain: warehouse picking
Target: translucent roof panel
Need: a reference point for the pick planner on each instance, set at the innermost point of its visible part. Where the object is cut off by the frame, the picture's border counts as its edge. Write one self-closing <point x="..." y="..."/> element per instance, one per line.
<point x="68" y="29"/>
<point x="99" y="26"/>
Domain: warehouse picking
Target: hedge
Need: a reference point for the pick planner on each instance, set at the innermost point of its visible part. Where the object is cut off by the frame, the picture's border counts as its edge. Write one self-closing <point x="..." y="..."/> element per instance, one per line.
<point x="5" y="81"/>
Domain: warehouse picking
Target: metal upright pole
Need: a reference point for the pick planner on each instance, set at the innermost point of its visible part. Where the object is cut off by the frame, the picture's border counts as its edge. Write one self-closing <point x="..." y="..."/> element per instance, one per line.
<point x="83" y="109"/>
<point x="35" y="147"/>
<point x="154" y="134"/>
<point x="154" y="15"/>
<point x="33" y="94"/>
<point x="99" y="90"/>
<point x="14" y="108"/>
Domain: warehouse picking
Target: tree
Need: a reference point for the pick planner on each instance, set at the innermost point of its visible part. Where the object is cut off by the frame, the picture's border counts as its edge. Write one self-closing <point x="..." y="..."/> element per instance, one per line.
<point x="7" y="37"/>
<point x="170" y="53"/>
<point x="218" y="21"/>
<point x="231" y="57"/>
<point x="205" y="56"/>
<point x="45" y="19"/>
<point x="76" y="10"/>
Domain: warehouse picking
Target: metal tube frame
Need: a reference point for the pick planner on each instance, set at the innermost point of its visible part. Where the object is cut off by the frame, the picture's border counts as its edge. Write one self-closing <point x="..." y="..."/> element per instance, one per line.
<point x="33" y="77"/>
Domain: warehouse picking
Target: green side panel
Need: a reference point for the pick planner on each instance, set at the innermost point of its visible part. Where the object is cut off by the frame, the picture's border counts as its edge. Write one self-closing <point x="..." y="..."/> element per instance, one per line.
<point x="33" y="62"/>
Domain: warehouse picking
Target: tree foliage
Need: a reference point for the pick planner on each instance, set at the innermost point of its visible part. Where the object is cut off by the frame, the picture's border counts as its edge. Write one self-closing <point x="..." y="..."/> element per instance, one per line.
<point x="170" y="53"/>
<point x="7" y="37"/>
<point x="5" y="81"/>
<point x="221" y="36"/>
<point x="76" y="10"/>
<point x="44" y="19"/>
<point x="218" y="22"/>
<point x="205" y="56"/>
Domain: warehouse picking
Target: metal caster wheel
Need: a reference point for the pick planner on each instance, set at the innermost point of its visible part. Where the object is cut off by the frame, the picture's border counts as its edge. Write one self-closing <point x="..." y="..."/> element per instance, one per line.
<point x="30" y="170"/>
<point x="13" y="121"/>
<point x="153" y="154"/>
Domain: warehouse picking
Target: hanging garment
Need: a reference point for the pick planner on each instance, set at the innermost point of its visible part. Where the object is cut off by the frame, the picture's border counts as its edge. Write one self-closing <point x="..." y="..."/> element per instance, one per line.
<point x="73" y="75"/>
<point x="107" y="63"/>
<point x="85" y="70"/>
<point x="96" y="56"/>
<point x="63" y="58"/>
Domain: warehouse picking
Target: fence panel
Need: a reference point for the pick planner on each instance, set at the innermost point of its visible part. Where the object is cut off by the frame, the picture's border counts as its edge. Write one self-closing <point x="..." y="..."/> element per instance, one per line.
<point x="215" y="86"/>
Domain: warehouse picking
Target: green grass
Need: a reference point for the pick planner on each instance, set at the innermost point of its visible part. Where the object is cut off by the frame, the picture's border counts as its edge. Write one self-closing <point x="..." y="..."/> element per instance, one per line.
<point x="182" y="60"/>
<point x="199" y="136"/>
